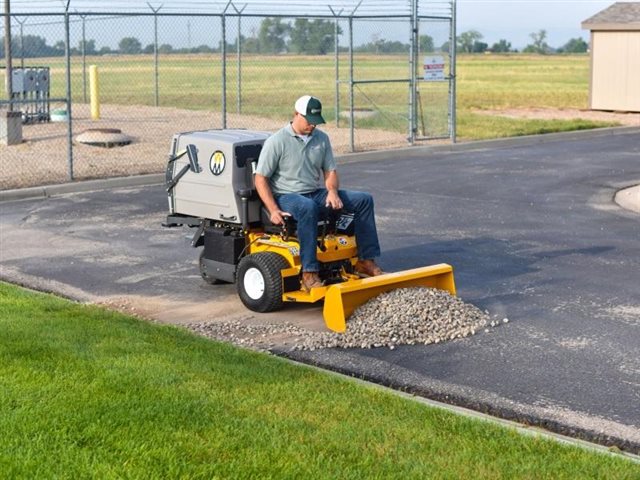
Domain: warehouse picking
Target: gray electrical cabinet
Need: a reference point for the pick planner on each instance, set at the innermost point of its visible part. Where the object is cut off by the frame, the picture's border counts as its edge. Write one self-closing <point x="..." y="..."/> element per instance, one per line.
<point x="42" y="84"/>
<point x="30" y="93"/>
<point x="17" y="81"/>
<point x="30" y="80"/>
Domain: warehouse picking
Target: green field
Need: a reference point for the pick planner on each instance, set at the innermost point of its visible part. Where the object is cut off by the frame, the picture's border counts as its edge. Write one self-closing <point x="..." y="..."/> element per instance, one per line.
<point x="270" y="84"/>
<point x="89" y="393"/>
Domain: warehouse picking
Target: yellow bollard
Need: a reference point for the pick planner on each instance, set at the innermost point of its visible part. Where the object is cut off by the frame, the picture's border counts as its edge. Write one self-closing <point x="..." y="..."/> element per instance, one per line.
<point x="95" y="101"/>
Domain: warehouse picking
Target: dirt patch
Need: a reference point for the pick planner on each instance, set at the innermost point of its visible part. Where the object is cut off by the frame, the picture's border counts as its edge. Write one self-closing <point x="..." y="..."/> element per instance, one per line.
<point x="43" y="157"/>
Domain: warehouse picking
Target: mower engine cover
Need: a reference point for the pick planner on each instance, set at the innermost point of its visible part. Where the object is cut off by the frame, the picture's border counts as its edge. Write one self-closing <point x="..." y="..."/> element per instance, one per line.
<point x="226" y="160"/>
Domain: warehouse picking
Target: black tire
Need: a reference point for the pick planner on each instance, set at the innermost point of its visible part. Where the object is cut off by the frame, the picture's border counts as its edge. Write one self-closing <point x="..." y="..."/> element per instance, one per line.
<point x="205" y="275"/>
<point x="259" y="281"/>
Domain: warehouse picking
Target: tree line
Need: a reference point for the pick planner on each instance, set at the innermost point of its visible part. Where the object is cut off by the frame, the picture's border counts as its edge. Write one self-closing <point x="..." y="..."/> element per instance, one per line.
<point x="470" y="42"/>
<point x="303" y="36"/>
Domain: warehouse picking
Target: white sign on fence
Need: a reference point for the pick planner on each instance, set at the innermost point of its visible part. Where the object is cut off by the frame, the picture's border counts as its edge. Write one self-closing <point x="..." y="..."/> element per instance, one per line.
<point x="434" y="68"/>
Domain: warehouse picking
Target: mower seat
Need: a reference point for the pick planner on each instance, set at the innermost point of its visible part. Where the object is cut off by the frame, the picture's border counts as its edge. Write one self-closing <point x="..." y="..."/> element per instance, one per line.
<point x="290" y="227"/>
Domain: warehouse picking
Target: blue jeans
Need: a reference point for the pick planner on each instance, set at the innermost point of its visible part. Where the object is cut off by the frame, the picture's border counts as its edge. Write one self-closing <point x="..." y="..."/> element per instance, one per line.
<point x="308" y="208"/>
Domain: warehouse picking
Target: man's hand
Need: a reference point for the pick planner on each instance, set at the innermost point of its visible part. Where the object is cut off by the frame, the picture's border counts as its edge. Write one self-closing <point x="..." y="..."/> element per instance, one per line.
<point x="277" y="217"/>
<point x="333" y="200"/>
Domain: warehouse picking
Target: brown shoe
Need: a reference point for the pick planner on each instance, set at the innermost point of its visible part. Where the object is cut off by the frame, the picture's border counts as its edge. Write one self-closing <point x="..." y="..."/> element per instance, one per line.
<point x="367" y="268"/>
<point x="310" y="280"/>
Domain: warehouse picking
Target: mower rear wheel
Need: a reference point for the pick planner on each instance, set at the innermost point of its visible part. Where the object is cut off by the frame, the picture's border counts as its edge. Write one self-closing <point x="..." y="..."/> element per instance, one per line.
<point x="259" y="281"/>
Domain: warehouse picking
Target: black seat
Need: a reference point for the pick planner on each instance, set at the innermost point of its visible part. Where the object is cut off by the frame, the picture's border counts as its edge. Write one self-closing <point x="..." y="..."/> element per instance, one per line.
<point x="289" y="229"/>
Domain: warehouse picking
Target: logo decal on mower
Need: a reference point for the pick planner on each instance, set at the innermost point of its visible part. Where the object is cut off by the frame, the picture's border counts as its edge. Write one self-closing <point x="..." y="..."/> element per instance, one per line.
<point x="217" y="163"/>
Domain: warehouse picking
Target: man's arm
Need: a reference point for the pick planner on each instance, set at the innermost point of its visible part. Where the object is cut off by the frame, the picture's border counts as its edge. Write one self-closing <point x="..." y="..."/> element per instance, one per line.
<point x="331" y="183"/>
<point x="266" y="195"/>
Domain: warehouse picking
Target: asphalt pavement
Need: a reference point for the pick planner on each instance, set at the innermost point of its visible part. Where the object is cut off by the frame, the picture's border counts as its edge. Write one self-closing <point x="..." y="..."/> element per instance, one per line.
<point x="530" y="227"/>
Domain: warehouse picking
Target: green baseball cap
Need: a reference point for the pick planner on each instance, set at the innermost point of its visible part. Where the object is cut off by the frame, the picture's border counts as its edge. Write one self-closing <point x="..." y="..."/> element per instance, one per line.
<point x="310" y="108"/>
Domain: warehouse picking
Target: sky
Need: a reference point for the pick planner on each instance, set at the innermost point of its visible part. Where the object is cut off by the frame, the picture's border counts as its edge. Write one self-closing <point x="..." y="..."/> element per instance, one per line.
<point x="515" y="20"/>
<point x="512" y="20"/>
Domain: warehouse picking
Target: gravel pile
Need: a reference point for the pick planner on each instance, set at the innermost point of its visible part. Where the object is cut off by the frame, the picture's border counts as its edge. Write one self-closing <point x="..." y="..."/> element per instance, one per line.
<point x="405" y="316"/>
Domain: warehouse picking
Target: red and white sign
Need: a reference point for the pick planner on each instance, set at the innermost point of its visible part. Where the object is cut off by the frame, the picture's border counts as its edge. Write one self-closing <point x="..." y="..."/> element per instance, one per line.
<point x="433" y="68"/>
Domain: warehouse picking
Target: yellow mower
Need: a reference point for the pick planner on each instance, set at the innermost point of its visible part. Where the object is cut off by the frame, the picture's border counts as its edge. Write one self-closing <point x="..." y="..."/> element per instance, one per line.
<point x="209" y="181"/>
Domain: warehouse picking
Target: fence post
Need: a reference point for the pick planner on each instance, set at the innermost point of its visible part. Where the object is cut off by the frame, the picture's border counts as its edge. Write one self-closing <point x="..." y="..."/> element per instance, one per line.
<point x="84" y="58"/>
<point x="413" y="61"/>
<point x="21" y="40"/>
<point x="239" y="58"/>
<point x="7" y="51"/>
<point x="239" y="94"/>
<point x="351" y="99"/>
<point x="223" y="51"/>
<point x="337" y="50"/>
<point x="336" y="29"/>
<point x="452" y="74"/>
<point x="155" y="52"/>
<point x="67" y="54"/>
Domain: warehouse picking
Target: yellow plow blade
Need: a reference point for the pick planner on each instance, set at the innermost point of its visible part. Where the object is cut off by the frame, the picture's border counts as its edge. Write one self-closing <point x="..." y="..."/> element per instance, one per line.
<point x="343" y="298"/>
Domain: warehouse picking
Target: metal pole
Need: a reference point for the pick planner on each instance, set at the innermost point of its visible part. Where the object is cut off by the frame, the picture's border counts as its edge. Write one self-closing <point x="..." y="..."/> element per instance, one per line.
<point x="84" y="59"/>
<point x="223" y="52"/>
<point x="7" y="53"/>
<point x="452" y="74"/>
<point x="352" y="142"/>
<point x="239" y="58"/>
<point x="155" y="53"/>
<point x="155" y="58"/>
<point x="336" y="62"/>
<point x="351" y="99"/>
<point x="21" y="43"/>
<point x="67" y="53"/>
<point x="413" y="53"/>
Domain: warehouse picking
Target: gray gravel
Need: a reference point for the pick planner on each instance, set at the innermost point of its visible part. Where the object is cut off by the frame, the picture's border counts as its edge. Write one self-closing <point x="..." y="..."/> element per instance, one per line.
<point x="405" y="316"/>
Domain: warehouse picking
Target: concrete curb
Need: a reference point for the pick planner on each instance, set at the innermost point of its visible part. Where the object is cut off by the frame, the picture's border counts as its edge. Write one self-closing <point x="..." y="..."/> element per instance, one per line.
<point x="46" y="191"/>
<point x="629" y="198"/>
<point x="83" y="186"/>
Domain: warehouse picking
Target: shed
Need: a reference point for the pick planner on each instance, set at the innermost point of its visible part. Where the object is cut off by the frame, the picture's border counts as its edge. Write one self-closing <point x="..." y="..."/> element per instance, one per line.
<point x="615" y="58"/>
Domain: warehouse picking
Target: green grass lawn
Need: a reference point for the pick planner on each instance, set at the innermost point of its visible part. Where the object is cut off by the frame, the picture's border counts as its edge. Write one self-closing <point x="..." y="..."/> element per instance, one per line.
<point x="269" y="84"/>
<point x="89" y="393"/>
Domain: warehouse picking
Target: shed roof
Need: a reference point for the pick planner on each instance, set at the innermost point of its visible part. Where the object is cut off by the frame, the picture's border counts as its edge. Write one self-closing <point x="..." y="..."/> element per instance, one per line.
<point x="619" y="16"/>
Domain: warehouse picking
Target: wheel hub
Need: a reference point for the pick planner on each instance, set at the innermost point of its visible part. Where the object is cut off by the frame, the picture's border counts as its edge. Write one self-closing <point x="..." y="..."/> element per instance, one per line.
<point x="254" y="283"/>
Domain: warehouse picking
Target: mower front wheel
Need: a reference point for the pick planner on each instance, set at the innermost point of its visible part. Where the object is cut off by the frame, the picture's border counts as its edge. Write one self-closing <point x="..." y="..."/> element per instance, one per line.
<point x="259" y="281"/>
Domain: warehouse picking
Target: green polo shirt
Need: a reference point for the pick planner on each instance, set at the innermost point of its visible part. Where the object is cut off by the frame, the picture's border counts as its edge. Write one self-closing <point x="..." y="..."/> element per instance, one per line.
<point x="294" y="166"/>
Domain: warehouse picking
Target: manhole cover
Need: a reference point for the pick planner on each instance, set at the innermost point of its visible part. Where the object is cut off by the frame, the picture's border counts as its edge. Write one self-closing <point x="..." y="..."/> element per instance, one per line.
<point x="104" y="137"/>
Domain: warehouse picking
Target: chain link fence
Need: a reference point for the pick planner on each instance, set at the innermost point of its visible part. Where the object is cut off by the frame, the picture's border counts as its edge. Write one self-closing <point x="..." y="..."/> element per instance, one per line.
<point x="122" y="85"/>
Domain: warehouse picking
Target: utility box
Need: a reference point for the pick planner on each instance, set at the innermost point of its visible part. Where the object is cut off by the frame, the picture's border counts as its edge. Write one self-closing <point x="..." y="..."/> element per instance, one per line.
<point x="226" y="161"/>
<point x="10" y="127"/>
<point x="30" y="80"/>
<point x="30" y="93"/>
<point x="42" y="84"/>
<point x="17" y="81"/>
